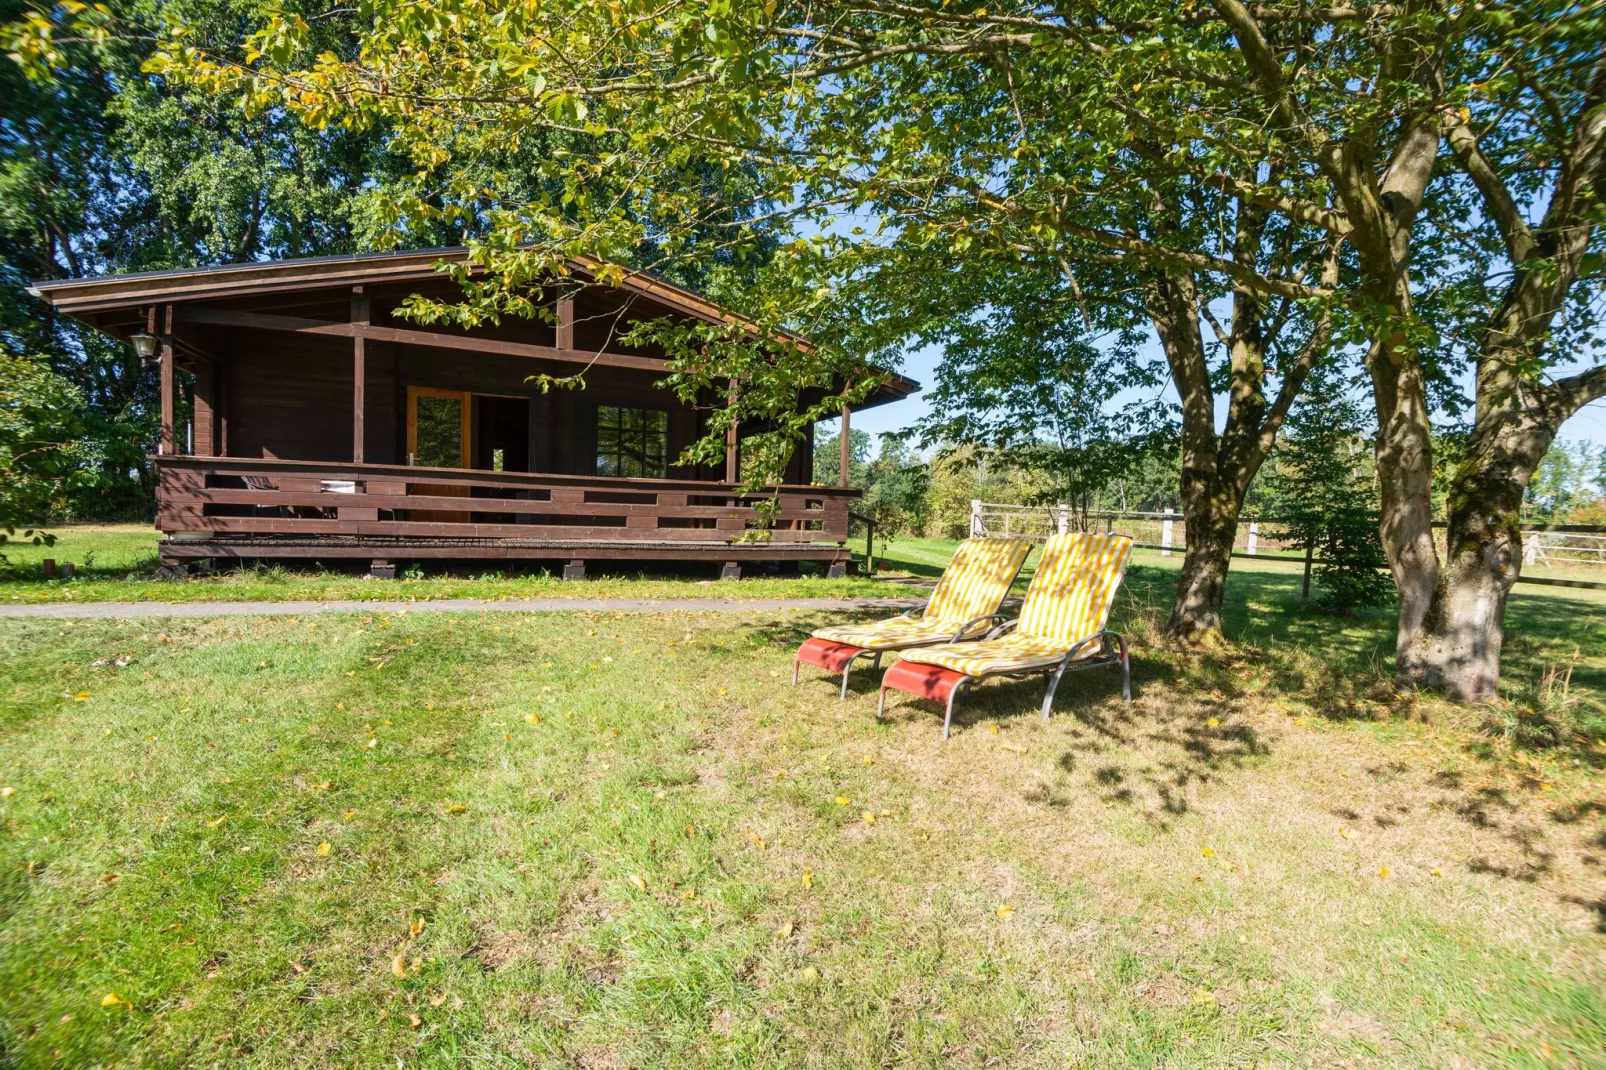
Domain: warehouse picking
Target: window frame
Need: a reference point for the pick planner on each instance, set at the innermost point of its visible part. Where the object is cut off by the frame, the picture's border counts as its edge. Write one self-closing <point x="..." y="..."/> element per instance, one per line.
<point x="613" y="462"/>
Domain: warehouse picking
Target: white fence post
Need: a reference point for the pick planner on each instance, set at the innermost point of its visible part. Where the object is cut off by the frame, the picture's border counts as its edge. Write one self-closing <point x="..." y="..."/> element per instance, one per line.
<point x="1165" y="534"/>
<point x="1064" y="518"/>
<point x="1254" y="536"/>
<point x="975" y="517"/>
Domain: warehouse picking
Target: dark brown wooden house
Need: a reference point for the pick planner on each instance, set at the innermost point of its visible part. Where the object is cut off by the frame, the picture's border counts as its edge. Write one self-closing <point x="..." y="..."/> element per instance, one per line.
<point x="302" y="419"/>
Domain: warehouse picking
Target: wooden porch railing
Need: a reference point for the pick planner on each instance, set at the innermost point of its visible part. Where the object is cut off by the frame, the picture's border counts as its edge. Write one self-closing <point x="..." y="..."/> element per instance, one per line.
<point x="236" y="496"/>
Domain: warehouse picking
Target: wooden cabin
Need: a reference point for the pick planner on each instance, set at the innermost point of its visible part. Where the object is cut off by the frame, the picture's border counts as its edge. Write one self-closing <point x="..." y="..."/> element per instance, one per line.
<point x="302" y="419"/>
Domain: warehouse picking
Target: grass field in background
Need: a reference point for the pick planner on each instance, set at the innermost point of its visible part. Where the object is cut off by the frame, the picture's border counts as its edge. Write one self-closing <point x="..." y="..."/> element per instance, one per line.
<point x="609" y="840"/>
<point x="121" y="559"/>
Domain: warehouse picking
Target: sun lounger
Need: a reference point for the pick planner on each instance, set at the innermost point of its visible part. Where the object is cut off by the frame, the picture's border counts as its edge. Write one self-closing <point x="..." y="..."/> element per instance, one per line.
<point x="1061" y="627"/>
<point x="964" y="605"/>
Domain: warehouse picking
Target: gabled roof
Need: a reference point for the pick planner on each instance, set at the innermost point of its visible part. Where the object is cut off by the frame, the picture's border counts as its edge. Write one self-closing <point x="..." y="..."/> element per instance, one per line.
<point x="84" y="298"/>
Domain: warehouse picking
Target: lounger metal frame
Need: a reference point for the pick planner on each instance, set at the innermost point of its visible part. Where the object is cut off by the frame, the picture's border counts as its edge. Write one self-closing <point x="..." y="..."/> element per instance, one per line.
<point x="913" y="614"/>
<point x="1112" y="652"/>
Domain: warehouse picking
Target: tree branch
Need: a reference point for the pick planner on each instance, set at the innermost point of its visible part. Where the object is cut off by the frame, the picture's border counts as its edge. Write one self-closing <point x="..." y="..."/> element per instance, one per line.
<point x="1576" y="391"/>
<point x="1497" y="198"/>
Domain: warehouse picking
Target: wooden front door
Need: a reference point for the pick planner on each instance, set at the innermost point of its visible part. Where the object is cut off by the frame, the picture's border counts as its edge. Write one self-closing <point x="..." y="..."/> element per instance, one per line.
<point x="438" y="436"/>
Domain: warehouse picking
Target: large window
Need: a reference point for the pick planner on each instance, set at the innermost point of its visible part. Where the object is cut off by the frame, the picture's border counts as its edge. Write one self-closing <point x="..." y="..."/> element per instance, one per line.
<point x="632" y="442"/>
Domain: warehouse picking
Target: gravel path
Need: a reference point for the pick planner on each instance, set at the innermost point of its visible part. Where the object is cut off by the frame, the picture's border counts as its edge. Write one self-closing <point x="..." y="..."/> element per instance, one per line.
<point x="124" y="610"/>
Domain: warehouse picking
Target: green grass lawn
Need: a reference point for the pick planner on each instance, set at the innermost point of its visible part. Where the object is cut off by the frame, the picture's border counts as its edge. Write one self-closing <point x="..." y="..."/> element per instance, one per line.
<point x="609" y="840"/>
<point x="116" y="563"/>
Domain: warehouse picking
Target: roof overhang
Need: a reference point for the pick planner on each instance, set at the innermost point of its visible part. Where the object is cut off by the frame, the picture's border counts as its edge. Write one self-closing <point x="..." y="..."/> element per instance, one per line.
<point x="85" y="299"/>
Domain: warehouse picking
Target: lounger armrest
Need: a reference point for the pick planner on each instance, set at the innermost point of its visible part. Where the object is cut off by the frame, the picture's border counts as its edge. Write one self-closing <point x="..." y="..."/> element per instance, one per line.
<point x="964" y="628"/>
<point x="1102" y="638"/>
<point x="1002" y="629"/>
<point x="912" y="614"/>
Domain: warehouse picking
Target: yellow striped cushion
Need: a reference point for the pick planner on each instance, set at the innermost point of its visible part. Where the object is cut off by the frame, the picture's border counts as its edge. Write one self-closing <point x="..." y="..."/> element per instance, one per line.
<point x="1068" y="601"/>
<point x="977" y="579"/>
<point x="1071" y="594"/>
<point x="1012" y="653"/>
<point x="973" y="585"/>
<point x="889" y="634"/>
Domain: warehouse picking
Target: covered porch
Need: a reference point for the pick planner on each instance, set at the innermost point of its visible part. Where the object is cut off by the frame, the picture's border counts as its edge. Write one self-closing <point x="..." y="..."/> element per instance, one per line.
<point x="302" y="417"/>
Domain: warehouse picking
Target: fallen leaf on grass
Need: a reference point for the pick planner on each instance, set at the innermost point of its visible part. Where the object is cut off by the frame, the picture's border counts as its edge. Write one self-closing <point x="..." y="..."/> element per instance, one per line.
<point x="457" y="808"/>
<point x="1208" y="853"/>
<point x="82" y="696"/>
<point x="785" y="930"/>
<point x="417" y="926"/>
<point x="843" y="800"/>
<point x="532" y="718"/>
<point x="1214" y="722"/>
<point x="808" y="879"/>
<point x="371" y="744"/>
<point x="323" y="850"/>
<point x="867" y="816"/>
<point x="296" y="966"/>
<point x="1382" y="871"/>
<point x="809" y="975"/>
<point x="638" y="882"/>
<point x="349" y="814"/>
<point x="7" y="792"/>
<point x="219" y="821"/>
<point x="112" y="999"/>
<point x="415" y="1021"/>
<point x="1344" y="831"/>
<point x="110" y="878"/>
<point x="398" y="965"/>
<point x="1437" y="872"/>
<point x="1004" y="910"/>
<point x="436" y="1001"/>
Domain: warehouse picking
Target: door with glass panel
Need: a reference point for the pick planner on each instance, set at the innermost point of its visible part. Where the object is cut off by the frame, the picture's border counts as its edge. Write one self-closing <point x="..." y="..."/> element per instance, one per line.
<point x="438" y="437"/>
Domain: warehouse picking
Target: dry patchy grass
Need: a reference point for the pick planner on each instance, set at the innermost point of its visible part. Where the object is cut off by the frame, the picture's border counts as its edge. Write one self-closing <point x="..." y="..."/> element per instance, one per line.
<point x="685" y="862"/>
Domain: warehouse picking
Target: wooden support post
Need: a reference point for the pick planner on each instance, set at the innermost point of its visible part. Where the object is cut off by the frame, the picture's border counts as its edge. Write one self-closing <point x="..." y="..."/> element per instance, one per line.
<point x="167" y="446"/>
<point x="575" y="570"/>
<point x="359" y="372"/>
<point x="847" y="444"/>
<point x="731" y="570"/>
<point x="732" y="444"/>
<point x="381" y="569"/>
<point x="565" y="339"/>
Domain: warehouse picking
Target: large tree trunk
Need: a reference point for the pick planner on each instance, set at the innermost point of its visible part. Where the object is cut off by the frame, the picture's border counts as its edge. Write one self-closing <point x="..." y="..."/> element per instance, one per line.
<point x="1456" y="647"/>
<point x="1206" y="510"/>
<point x="1404" y="452"/>
<point x="1210" y="518"/>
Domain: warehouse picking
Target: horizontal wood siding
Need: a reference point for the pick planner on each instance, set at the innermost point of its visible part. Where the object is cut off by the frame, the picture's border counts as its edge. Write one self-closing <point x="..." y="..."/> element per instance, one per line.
<point x="290" y="397"/>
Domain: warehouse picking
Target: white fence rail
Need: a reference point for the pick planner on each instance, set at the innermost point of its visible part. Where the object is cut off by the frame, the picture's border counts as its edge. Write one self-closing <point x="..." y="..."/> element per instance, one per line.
<point x="1562" y="548"/>
<point x="1543" y="547"/>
